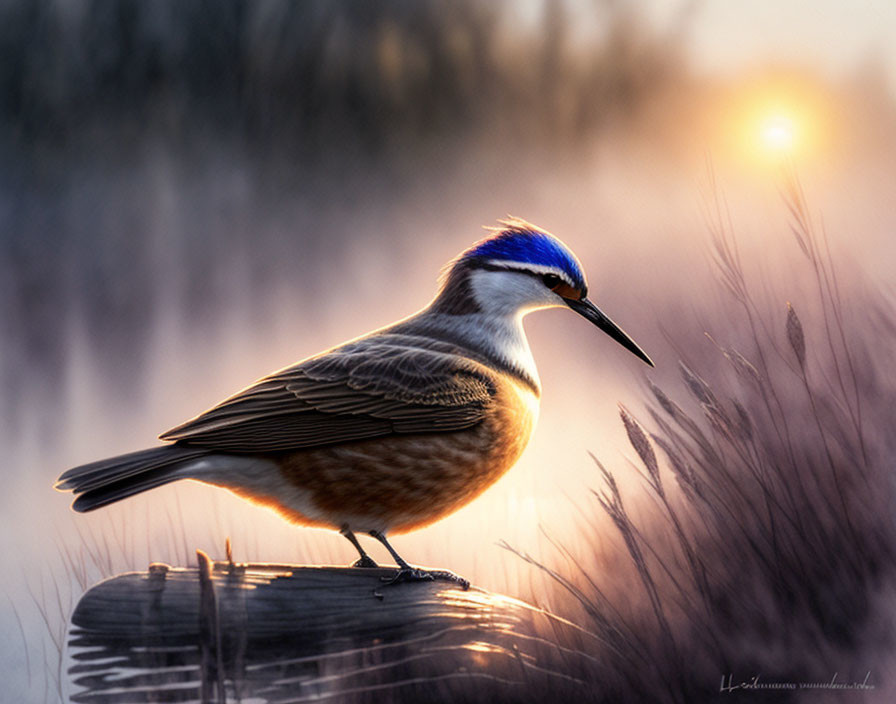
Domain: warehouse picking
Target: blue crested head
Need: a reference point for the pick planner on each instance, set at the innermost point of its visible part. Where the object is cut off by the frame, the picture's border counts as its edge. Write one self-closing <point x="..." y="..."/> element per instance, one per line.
<point x="518" y="269"/>
<point x="519" y="242"/>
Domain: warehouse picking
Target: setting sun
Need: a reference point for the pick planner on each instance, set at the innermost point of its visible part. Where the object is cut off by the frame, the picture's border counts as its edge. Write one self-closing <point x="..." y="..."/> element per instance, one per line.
<point x="773" y="117"/>
<point x="778" y="134"/>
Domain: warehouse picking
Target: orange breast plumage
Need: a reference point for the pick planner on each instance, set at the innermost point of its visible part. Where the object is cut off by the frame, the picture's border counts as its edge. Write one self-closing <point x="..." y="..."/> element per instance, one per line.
<point x="404" y="482"/>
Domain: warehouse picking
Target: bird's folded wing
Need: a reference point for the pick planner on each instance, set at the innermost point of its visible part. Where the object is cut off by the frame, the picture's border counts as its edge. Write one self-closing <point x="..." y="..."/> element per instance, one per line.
<point x="373" y="387"/>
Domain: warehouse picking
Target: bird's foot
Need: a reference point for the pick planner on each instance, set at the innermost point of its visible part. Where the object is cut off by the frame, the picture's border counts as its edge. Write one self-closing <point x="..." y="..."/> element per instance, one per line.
<point x="414" y="574"/>
<point x="366" y="562"/>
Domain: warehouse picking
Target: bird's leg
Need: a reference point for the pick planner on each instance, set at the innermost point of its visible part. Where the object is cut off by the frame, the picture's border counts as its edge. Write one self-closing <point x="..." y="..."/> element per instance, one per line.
<point x="406" y="573"/>
<point x="365" y="560"/>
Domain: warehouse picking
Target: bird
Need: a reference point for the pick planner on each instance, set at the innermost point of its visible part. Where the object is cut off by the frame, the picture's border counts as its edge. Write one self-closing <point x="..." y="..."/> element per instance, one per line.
<point x="393" y="430"/>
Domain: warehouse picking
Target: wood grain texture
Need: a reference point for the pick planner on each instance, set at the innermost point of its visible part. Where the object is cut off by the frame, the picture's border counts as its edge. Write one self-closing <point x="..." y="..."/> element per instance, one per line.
<point x="287" y="633"/>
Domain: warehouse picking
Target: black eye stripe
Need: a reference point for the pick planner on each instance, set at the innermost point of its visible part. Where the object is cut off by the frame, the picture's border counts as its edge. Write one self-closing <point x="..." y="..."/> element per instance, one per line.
<point x="489" y="266"/>
<point x="537" y="274"/>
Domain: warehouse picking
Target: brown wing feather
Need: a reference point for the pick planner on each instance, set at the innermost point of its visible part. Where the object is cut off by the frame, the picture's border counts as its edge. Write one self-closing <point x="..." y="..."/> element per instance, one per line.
<point x="369" y="388"/>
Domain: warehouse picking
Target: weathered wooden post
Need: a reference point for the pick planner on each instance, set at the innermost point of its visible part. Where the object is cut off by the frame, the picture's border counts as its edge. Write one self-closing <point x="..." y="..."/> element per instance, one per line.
<point x="277" y="633"/>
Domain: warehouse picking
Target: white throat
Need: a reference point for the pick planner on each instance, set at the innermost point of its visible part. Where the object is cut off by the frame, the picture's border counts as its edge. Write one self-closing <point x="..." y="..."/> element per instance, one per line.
<point x="506" y="338"/>
<point x="496" y="328"/>
<point x="500" y="338"/>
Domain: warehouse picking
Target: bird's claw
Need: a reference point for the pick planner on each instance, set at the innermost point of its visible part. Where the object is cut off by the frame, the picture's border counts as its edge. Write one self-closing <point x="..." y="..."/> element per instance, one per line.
<point x="414" y="574"/>
<point x="408" y="574"/>
<point x="365" y="562"/>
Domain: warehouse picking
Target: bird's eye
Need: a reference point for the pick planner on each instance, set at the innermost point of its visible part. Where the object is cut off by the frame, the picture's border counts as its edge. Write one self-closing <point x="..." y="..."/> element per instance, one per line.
<point x="551" y="280"/>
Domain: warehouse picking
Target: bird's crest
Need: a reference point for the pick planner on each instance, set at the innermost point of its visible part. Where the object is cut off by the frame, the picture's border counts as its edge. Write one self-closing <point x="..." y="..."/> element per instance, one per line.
<point x="517" y="241"/>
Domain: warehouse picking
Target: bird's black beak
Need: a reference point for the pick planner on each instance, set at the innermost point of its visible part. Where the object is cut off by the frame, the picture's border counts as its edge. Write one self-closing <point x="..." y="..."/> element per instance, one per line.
<point x="591" y="312"/>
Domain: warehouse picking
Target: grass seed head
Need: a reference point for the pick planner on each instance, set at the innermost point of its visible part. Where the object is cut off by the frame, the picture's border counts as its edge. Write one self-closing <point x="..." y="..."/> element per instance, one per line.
<point x="795" y="335"/>
<point x="639" y="440"/>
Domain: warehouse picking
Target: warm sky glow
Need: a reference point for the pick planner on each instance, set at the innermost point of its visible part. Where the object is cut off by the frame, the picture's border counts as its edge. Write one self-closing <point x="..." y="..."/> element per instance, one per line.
<point x="830" y="35"/>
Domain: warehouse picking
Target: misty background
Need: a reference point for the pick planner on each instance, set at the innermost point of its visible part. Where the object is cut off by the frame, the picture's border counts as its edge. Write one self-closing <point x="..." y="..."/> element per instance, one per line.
<point x="195" y="194"/>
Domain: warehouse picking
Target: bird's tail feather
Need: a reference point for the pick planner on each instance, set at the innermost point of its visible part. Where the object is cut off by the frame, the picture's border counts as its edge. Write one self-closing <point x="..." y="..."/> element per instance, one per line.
<point x="107" y="481"/>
